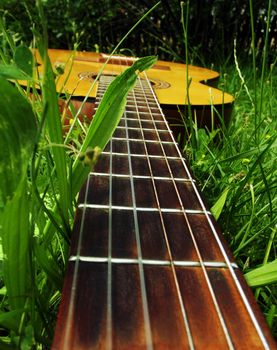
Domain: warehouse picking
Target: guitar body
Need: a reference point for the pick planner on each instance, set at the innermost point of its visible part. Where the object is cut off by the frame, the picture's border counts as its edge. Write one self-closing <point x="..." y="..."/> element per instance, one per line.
<point x="149" y="267"/>
<point x="167" y="78"/>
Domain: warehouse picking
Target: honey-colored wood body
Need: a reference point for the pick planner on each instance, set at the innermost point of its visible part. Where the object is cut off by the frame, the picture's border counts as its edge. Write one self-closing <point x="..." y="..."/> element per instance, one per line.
<point x="168" y="78"/>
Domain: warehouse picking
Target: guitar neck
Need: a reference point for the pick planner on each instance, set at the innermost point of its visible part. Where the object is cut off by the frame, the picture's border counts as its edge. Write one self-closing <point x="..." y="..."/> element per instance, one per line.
<point x="148" y="266"/>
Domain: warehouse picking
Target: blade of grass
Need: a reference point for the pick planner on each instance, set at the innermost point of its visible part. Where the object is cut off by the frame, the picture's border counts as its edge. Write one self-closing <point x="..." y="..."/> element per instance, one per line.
<point x="250" y="172"/>
<point x="217" y="208"/>
<point x="266" y="274"/>
<point x="104" y="65"/>
<point x="53" y="120"/>
<point x="15" y="236"/>
<point x="107" y="116"/>
<point x="17" y="137"/>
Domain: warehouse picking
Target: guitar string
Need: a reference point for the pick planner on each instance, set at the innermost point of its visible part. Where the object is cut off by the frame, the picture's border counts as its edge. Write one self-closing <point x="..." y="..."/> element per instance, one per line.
<point x="78" y="254"/>
<point x="164" y="233"/>
<point x="102" y="86"/>
<point x="141" y="272"/>
<point x="147" y="326"/>
<point x="70" y="316"/>
<point x="109" y="342"/>
<point x="73" y="292"/>
<point x="148" y="335"/>
<point x="171" y="175"/>
<point x="183" y="312"/>
<point x="214" y="231"/>
<point x="221" y="319"/>
<point x="109" y="277"/>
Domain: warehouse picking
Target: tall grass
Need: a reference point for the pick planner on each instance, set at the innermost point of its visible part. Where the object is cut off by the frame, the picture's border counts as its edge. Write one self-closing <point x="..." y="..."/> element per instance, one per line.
<point x="236" y="169"/>
<point x="41" y="172"/>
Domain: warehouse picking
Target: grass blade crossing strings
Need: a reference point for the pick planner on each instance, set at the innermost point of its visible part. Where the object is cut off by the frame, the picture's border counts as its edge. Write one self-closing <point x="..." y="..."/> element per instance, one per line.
<point x="107" y="116"/>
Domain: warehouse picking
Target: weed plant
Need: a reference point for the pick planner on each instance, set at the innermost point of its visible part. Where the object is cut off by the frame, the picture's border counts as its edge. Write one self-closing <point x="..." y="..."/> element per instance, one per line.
<point x="41" y="173"/>
<point x="42" y="170"/>
<point x="238" y="177"/>
<point x="235" y="166"/>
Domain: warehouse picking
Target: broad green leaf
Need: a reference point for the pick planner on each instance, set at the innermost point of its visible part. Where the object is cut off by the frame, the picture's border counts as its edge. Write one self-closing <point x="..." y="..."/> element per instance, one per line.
<point x="219" y="204"/>
<point x="54" y="129"/>
<point x="271" y="315"/>
<point x="108" y="115"/>
<point x="24" y="59"/>
<point x="6" y="346"/>
<point x="48" y="265"/>
<point x="11" y="319"/>
<point x="15" y="234"/>
<point x="28" y="340"/>
<point x="3" y="291"/>
<point x="17" y="137"/>
<point x="12" y="72"/>
<point x="263" y="275"/>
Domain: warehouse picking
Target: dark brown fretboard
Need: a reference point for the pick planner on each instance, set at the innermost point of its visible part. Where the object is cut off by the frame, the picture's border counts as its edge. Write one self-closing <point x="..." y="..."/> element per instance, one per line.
<point x="149" y="268"/>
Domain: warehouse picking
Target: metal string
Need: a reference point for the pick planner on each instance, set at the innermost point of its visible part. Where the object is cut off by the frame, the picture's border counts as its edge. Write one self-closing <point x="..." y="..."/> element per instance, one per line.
<point x="148" y="335"/>
<point x="186" y="325"/>
<point x="224" y="253"/>
<point x="221" y="319"/>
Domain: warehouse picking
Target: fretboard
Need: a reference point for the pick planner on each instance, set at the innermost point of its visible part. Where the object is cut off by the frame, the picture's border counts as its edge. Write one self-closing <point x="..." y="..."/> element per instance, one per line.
<point x="149" y="267"/>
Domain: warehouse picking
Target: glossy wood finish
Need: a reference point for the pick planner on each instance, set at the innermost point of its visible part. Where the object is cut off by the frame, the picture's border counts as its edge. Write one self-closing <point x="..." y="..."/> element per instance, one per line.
<point x="149" y="268"/>
<point x="168" y="78"/>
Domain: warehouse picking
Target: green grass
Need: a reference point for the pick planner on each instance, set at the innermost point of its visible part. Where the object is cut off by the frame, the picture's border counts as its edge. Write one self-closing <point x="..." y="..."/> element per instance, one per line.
<point x="235" y="166"/>
<point x="236" y="170"/>
<point x="41" y="172"/>
<point x="42" y="168"/>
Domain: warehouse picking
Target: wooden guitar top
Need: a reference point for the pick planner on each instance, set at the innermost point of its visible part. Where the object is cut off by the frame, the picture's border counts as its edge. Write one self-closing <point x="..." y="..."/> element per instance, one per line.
<point x="168" y="78"/>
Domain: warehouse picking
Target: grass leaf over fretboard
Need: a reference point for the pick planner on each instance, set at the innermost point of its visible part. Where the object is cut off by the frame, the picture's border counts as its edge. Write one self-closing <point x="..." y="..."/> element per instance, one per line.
<point x="107" y="116"/>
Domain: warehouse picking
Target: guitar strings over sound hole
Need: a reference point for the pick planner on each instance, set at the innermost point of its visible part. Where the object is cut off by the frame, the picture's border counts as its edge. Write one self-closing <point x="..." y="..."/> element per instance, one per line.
<point x="156" y="83"/>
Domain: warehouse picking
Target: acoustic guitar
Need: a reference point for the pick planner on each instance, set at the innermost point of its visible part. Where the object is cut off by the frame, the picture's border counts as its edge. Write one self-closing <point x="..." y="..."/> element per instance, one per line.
<point x="148" y="266"/>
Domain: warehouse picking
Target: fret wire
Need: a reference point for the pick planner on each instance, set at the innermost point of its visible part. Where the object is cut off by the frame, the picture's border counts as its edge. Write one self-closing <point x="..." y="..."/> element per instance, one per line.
<point x="141" y="103"/>
<point x="140" y="97"/>
<point x="146" y="129"/>
<point x="142" y="156"/>
<point x="149" y="141"/>
<point x="228" y="264"/>
<point x="186" y="324"/>
<point x="219" y="243"/>
<point x="143" y="177"/>
<point x="152" y="104"/>
<point x="220" y="316"/>
<point x="147" y="327"/>
<point x="143" y="120"/>
<point x="140" y="113"/>
<point x="154" y="262"/>
<point x="146" y="209"/>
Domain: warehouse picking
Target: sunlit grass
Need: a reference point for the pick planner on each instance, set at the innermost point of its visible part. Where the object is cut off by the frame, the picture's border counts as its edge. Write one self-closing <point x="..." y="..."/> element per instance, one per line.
<point x="235" y="167"/>
<point x="236" y="170"/>
<point x="42" y="170"/>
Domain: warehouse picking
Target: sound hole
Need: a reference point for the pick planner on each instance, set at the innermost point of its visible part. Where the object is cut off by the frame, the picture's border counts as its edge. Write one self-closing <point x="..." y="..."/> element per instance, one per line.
<point x="156" y="83"/>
